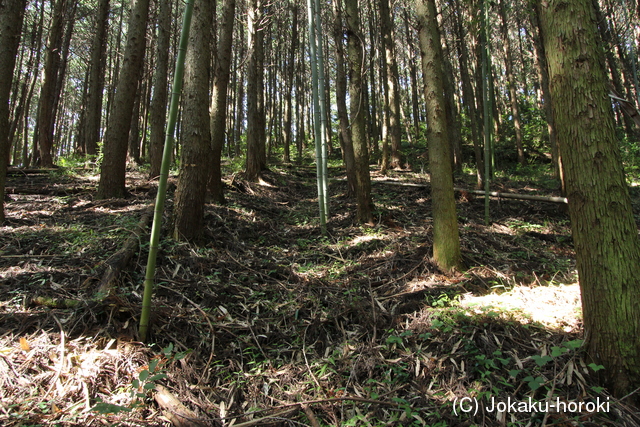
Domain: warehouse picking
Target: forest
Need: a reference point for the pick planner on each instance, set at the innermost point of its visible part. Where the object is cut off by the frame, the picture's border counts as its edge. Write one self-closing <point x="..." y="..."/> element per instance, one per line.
<point x="321" y="213"/>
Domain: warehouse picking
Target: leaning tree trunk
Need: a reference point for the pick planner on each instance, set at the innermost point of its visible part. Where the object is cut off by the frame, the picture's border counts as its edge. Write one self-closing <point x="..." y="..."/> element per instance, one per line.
<point x="195" y="159"/>
<point x="112" y="172"/>
<point x="446" y="241"/>
<point x="602" y="222"/>
<point x="357" y="107"/>
<point x="11" y="16"/>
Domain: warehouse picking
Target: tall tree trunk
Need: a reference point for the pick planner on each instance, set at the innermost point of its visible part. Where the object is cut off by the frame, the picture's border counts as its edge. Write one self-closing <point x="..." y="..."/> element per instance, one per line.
<point x="290" y="70"/>
<point x="614" y="69"/>
<point x="11" y="16"/>
<point x="511" y="81"/>
<point x="146" y="109"/>
<point x="113" y="60"/>
<point x="195" y="159"/>
<point x="543" y="72"/>
<point x="69" y="23"/>
<point x="446" y="241"/>
<point x="344" y="135"/>
<point x="46" y="104"/>
<point x="21" y="111"/>
<point x="468" y="94"/>
<point x="112" y="172"/>
<point x="392" y="83"/>
<point x="256" y="120"/>
<point x="378" y="64"/>
<point x="453" y="118"/>
<point x="158" y="110"/>
<point x="327" y="97"/>
<point x="358" y="126"/>
<point x="374" y="115"/>
<point x="219" y="99"/>
<point x="300" y="108"/>
<point x="133" y="151"/>
<point x="413" y="76"/>
<point x="604" y="231"/>
<point x="240" y="99"/>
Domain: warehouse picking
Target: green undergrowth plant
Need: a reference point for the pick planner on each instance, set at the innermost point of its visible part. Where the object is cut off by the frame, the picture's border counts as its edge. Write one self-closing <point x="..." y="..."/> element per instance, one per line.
<point x="482" y="352"/>
<point x="144" y="383"/>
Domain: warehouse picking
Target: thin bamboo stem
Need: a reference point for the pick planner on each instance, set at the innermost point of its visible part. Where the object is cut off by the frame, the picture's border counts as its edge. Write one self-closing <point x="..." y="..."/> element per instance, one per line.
<point x="164" y="173"/>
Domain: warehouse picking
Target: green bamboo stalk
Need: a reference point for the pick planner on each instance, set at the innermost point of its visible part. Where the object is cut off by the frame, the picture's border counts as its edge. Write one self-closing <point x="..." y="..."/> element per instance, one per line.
<point x="316" y="114"/>
<point x="323" y="112"/>
<point x="164" y="173"/>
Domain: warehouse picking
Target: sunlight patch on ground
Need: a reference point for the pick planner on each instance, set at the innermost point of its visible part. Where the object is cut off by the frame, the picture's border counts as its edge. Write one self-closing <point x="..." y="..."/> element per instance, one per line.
<point x="556" y="306"/>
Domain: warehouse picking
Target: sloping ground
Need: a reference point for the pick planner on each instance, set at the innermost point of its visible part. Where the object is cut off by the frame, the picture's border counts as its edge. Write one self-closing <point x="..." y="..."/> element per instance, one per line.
<point x="267" y="322"/>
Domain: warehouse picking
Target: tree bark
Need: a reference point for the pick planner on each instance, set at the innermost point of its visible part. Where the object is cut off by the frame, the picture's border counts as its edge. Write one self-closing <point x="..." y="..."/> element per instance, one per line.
<point x="543" y="72"/>
<point x="256" y="120"/>
<point x="47" y="101"/>
<point x="604" y="231"/>
<point x="195" y="159"/>
<point x="468" y="95"/>
<point x="392" y="83"/>
<point x="300" y="108"/>
<point x="511" y="81"/>
<point x="21" y="110"/>
<point x="413" y="75"/>
<point x="133" y="151"/>
<point x="357" y="107"/>
<point x="219" y="99"/>
<point x="446" y="241"/>
<point x="112" y="172"/>
<point x="453" y="118"/>
<point x="158" y="110"/>
<point x="290" y="70"/>
<point x="240" y="97"/>
<point x="11" y="16"/>
<point x="344" y="135"/>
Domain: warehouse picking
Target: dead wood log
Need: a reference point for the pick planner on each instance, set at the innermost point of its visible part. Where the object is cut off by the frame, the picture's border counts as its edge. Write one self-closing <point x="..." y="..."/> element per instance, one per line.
<point x="515" y="196"/>
<point x="480" y="192"/>
<point x="178" y="414"/>
<point x="116" y="262"/>
<point x="48" y="191"/>
<point x="11" y="171"/>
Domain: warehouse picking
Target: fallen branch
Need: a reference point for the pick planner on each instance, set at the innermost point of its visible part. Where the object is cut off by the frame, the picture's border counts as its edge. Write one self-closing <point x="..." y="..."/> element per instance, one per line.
<point x="515" y="196"/>
<point x="480" y="192"/>
<point x="116" y="262"/>
<point x="47" y="191"/>
<point x="178" y="414"/>
<point x="30" y="171"/>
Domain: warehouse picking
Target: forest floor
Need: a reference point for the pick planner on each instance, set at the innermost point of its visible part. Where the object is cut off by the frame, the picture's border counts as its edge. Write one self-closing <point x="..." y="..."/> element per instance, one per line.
<point x="268" y="322"/>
